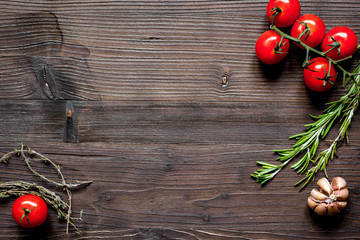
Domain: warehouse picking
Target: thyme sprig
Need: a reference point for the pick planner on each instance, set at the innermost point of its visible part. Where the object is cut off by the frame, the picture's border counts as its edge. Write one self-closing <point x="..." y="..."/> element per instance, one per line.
<point x="19" y="188"/>
<point x="308" y="142"/>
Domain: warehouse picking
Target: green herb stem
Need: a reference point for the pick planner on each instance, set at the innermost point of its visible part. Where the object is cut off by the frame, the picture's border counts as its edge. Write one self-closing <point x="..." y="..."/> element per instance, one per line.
<point x="343" y="109"/>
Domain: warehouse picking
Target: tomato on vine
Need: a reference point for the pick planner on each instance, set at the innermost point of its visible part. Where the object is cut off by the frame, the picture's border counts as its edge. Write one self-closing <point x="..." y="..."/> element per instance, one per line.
<point x="343" y="42"/>
<point x="29" y="211"/>
<point x="311" y="30"/>
<point x="271" y="48"/>
<point x="283" y="13"/>
<point x="320" y="75"/>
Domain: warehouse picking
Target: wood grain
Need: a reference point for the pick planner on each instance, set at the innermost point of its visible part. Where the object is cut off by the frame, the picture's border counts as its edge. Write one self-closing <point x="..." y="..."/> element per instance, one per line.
<point x="170" y="112"/>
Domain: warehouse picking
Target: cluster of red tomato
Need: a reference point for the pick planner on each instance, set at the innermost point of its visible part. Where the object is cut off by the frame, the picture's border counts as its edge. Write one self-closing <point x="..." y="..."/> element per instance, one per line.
<point x="338" y="43"/>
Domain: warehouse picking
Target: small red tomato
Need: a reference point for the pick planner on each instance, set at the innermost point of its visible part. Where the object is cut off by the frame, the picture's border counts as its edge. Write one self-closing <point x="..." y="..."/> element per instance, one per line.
<point x="343" y="40"/>
<point x="29" y="211"/>
<point x="319" y="76"/>
<point x="285" y="12"/>
<point x="270" y="48"/>
<point x="312" y="28"/>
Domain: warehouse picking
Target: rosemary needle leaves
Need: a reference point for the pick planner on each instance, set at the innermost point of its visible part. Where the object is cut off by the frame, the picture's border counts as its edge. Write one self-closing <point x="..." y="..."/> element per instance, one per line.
<point x="308" y="141"/>
<point x="19" y="188"/>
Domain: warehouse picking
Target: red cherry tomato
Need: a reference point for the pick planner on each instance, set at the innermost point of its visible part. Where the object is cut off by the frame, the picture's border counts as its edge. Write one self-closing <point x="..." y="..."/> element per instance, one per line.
<point x="317" y="75"/>
<point x="271" y="48"/>
<point x="312" y="28"/>
<point x="29" y="211"/>
<point x="346" y="40"/>
<point x="285" y="12"/>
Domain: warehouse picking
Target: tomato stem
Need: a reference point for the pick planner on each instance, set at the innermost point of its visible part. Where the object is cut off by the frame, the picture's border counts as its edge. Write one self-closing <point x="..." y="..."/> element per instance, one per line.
<point x="26" y="213"/>
<point x="309" y="49"/>
<point x="306" y="31"/>
<point x="276" y="11"/>
<point x="278" y="48"/>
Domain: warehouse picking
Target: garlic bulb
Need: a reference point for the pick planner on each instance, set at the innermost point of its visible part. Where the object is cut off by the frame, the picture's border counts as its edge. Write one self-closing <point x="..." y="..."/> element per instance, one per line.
<point x="331" y="198"/>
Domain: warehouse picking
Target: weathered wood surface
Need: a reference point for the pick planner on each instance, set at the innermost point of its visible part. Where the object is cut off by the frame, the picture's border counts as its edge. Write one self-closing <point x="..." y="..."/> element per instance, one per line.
<point x="170" y="146"/>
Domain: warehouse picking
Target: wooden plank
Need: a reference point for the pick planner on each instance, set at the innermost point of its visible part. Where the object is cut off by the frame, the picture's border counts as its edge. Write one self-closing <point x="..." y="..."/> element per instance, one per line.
<point x="183" y="187"/>
<point x="156" y="122"/>
<point x="139" y="56"/>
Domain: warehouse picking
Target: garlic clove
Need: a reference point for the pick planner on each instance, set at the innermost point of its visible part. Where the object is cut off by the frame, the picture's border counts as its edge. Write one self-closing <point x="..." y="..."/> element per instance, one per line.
<point x="321" y="209"/>
<point x="341" y="205"/>
<point x="317" y="195"/>
<point x="338" y="183"/>
<point x="342" y="194"/>
<point x="332" y="209"/>
<point x="311" y="203"/>
<point x="331" y="198"/>
<point x="324" y="184"/>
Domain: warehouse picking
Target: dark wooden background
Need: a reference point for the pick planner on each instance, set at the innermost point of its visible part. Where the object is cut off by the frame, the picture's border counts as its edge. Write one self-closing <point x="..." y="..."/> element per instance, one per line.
<point x="169" y="145"/>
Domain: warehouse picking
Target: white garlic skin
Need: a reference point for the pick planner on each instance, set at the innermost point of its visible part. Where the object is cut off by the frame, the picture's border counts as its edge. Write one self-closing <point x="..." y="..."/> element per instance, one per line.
<point x="331" y="198"/>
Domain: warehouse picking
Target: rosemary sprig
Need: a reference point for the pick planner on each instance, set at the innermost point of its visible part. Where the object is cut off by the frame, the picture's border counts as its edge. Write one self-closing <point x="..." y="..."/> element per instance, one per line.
<point x="349" y="106"/>
<point x="19" y="188"/>
<point x="308" y="141"/>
